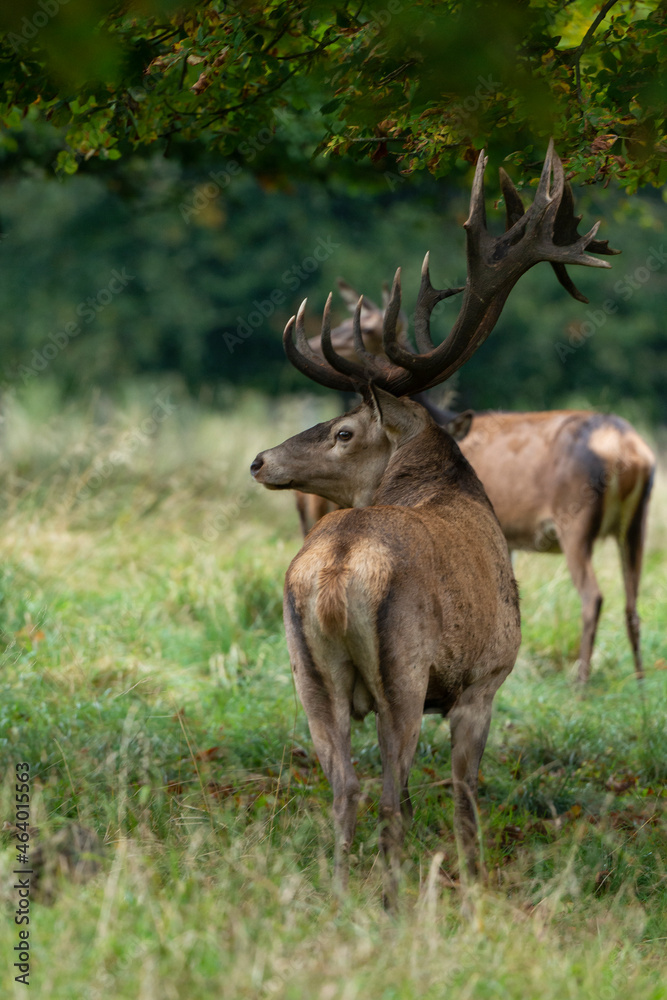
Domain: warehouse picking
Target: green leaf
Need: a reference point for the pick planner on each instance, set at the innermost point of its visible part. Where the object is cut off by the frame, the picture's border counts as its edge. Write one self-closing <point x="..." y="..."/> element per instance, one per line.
<point x="332" y="105"/>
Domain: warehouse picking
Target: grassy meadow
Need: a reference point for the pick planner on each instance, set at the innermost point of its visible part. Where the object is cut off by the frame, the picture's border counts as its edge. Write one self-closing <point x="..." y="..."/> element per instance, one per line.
<point x="145" y="678"/>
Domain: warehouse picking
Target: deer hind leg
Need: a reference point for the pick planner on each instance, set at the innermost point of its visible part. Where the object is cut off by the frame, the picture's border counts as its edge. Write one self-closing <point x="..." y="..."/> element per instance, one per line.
<point x="577" y="545"/>
<point x="331" y="736"/>
<point x="631" y="546"/>
<point x="469" y="720"/>
<point x="398" y="733"/>
<point x="325" y="691"/>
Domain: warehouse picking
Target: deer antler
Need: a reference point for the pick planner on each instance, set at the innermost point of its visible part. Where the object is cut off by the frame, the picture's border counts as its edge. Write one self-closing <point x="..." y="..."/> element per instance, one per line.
<point x="371" y="322"/>
<point x="546" y="231"/>
<point x="565" y="229"/>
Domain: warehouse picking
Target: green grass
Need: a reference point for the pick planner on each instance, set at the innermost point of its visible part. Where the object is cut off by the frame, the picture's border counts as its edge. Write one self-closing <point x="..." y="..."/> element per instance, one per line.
<point x="145" y="677"/>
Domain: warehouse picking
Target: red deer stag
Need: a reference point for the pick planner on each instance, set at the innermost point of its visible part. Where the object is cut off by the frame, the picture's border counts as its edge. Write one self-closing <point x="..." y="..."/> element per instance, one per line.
<point x="557" y="481"/>
<point x="406" y="602"/>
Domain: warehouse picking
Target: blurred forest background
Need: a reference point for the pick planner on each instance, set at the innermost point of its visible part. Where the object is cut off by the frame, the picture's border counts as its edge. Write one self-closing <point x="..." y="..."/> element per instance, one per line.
<point x="175" y="180"/>
<point x="204" y="296"/>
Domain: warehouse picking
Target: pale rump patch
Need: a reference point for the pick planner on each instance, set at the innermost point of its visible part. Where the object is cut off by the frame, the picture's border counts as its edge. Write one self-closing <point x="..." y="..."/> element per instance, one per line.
<point x="606" y="441"/>
<point x="629" y="463"/>
<point x="322" y="570"/>
<point x="369" y="565"/>
<point x="626" y="453"/>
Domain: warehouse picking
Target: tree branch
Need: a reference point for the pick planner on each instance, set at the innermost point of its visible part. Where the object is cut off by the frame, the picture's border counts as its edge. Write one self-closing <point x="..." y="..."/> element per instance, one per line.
<point x="585" y="41"/>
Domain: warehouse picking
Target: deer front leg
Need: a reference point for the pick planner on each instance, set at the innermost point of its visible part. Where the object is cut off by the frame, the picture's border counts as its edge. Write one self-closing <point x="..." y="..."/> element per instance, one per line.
<point x="302" y="512"/>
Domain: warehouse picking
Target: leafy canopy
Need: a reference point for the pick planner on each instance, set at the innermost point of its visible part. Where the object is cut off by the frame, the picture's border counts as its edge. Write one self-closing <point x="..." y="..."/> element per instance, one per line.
<point x="410" y="85"/>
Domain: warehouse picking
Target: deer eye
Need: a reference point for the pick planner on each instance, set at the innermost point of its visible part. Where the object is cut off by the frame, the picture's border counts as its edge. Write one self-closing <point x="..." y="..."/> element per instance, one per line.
<point x="344" y="435"/>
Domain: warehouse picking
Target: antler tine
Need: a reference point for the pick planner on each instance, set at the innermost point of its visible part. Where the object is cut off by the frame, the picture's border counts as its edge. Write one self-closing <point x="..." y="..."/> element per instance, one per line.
<point x="566" y="222"/>
<point x="565" y="234"/>
<point x="565" y="218"/>
<point x="427" y="300"/>
<point x="548" y="229"/>
<point x="557" y="186"/>
<point x="602" y="246"/>
<point x="357" y="338"/>
<point x="304" y="358"/>
<point x="377" y="367"/>
<point x="514" y="208"/>
<point x="393" y="308"/>
<point x="374" y="362"/>
<point x="566" y="281"/>
<point x="395" y="378"/>
<point x="300" y="330"/>
<point x="395" y="351"/>
<point x="582" y="244"/>
<point x="542" y="195"/>
<point x="355" y="373"/>
<point x="495" y="265"/>
<point x="425" y="305"/>
<point x="477" y="214"/>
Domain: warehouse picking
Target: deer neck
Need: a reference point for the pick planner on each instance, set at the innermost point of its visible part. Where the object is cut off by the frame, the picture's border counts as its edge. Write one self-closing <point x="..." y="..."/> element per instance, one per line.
<point x="427" y="469"/>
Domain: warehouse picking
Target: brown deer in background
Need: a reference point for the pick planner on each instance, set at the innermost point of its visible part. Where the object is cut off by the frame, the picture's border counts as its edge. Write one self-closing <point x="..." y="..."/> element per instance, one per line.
<point x="557" y="480"/>
<point x="406" y="602"/>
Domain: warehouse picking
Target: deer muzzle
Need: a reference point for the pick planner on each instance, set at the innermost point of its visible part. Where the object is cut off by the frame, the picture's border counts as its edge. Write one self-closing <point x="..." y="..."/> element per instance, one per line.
<point x="273" y="479"/>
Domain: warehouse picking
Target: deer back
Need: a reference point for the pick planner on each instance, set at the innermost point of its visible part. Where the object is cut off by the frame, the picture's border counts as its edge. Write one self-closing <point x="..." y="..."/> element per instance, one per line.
<point x="543" y="470"/>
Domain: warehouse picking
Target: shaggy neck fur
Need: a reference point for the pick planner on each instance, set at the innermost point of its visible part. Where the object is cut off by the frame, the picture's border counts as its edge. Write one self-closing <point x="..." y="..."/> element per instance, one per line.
<point x="428" y="468"/>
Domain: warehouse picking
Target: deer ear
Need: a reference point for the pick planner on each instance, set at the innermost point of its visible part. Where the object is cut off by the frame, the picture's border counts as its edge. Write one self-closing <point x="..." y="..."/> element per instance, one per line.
<point x="399" y="415"/>
<point x="371" y="396"/>
<point x="460" y="425"/>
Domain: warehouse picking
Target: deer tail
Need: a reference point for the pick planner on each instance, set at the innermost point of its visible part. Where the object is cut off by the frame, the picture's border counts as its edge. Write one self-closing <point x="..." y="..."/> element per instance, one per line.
<point x="331" y="602"/>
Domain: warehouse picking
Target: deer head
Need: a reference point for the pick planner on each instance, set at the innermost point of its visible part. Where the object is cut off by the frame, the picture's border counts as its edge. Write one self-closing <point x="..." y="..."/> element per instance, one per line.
<point x="353" y="451"/>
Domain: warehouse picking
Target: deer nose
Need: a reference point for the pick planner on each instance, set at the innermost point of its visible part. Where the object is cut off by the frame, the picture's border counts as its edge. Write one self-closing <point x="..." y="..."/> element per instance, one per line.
<point x="256" y="465"/>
